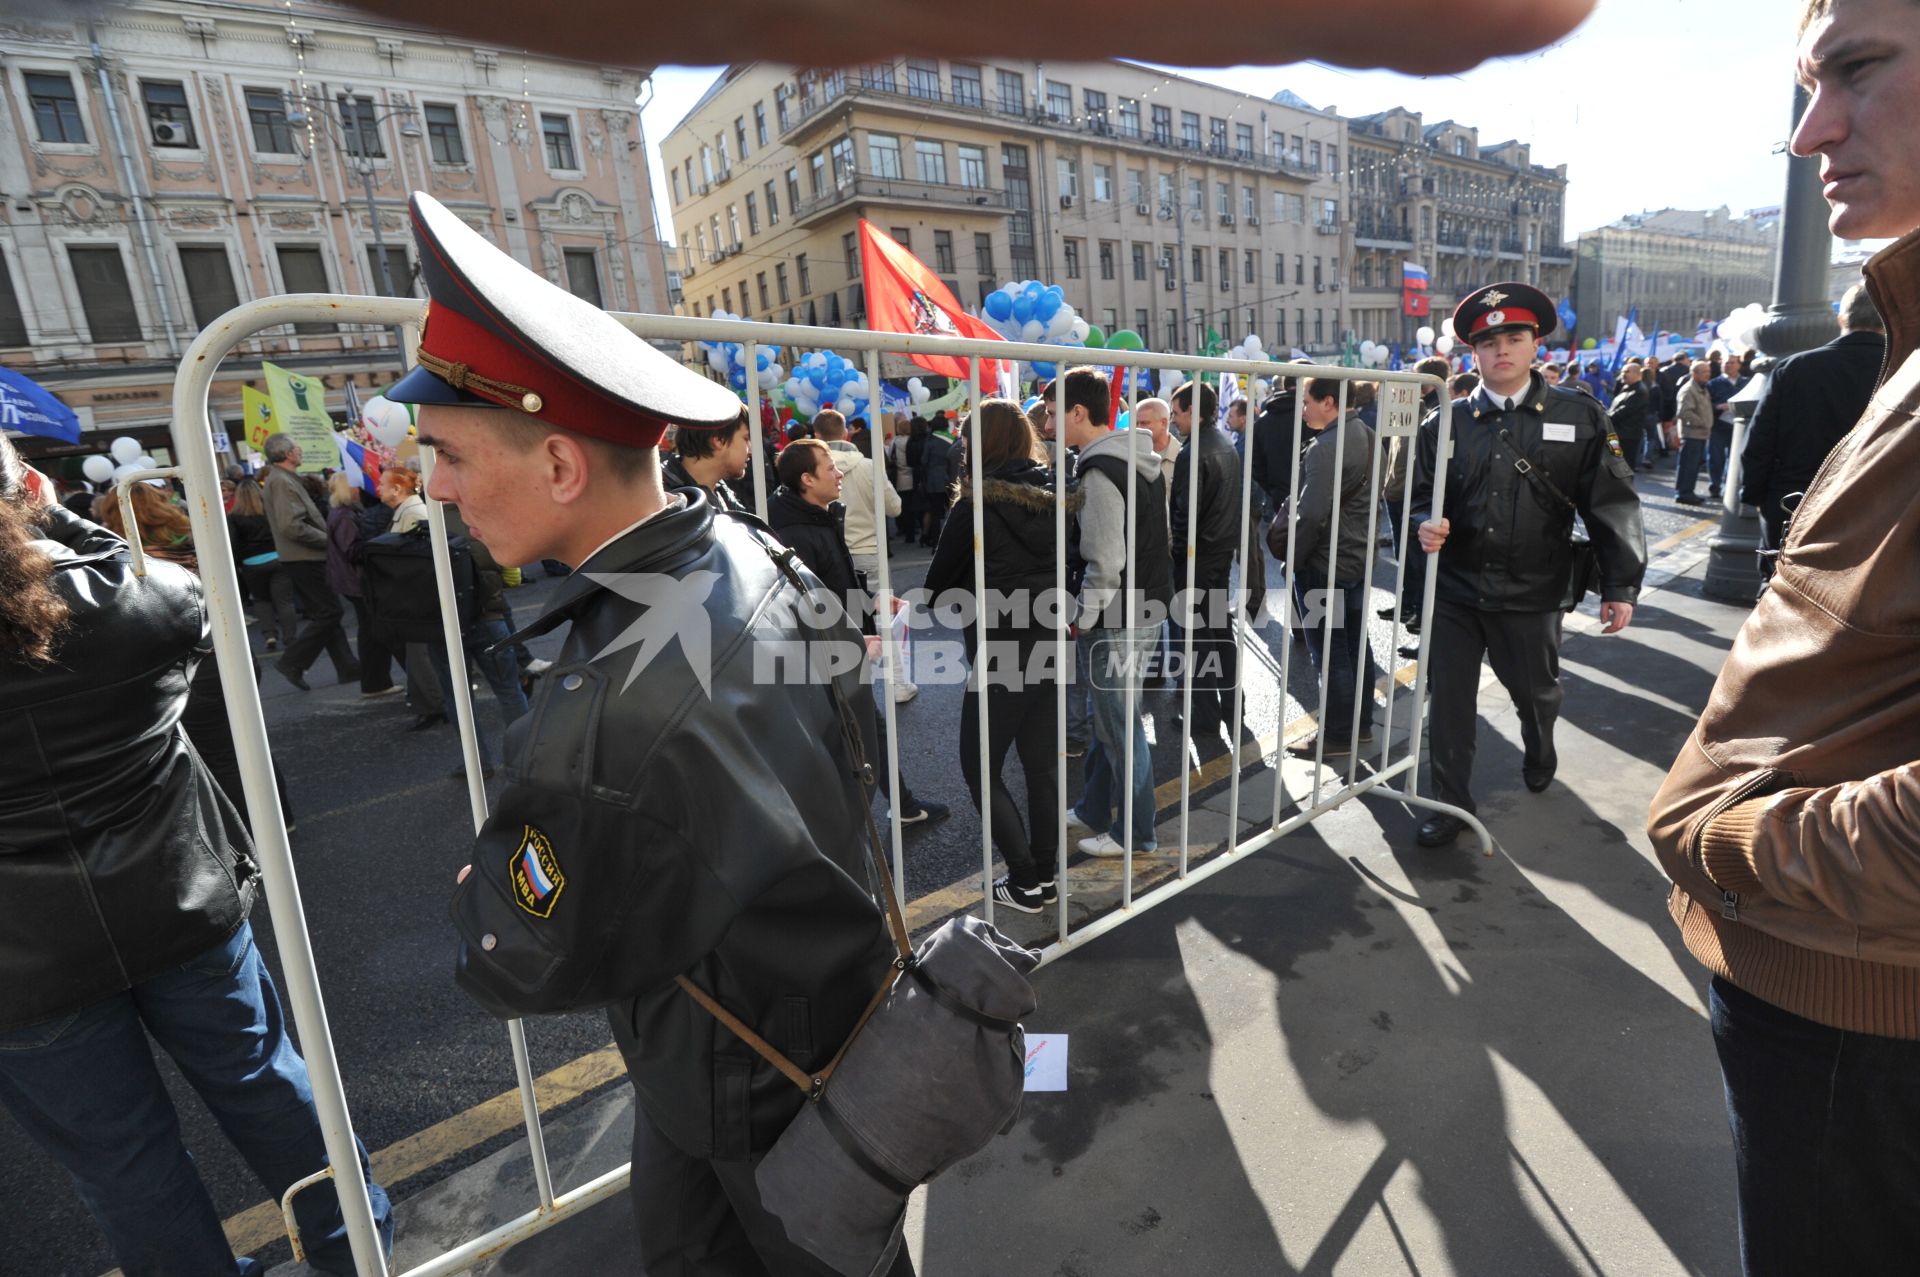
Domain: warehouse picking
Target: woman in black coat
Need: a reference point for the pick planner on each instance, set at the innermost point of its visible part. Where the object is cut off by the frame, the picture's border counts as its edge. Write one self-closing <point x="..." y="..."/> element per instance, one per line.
<point x="1017" y="659"/>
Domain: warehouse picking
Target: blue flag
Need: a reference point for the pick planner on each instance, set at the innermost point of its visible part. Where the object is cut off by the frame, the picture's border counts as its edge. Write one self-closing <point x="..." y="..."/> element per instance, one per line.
<point x="31" y="409"/>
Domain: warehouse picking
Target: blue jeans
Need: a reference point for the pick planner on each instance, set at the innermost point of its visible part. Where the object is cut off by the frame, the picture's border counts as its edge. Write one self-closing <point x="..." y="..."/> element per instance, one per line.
<point x="1079" y="706"/>
<point x="500" y="668"/>
<point x="84" y="1086"/>
<point x="1687" y="477"/>
<point x="1826" y="1140"/>
<point x="1351" y="654"/>
<point x="1719" y="445"/>
<point x="1116" y="659"/>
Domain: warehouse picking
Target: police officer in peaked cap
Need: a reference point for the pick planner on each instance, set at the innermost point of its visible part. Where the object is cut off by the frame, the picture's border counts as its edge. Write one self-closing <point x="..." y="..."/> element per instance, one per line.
<point x="666" y="812"/>
<point x="1525" y="458"/>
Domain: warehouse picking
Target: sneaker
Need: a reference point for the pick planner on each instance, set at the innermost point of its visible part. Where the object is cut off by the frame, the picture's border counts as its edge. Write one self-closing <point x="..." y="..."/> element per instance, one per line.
<point x="924" y="812"/>
<point x="1025" y="899"/>
<point x="1102" y="845"/>
<point x="537" y="667"/>
<point x="1306" y="746"/>
<point x="904" y="692"/>
<point x="272" y="644"/>
<point x="1076" y="749"/>
<point x="391" y="689"/>
<point x="1074" y="821"/>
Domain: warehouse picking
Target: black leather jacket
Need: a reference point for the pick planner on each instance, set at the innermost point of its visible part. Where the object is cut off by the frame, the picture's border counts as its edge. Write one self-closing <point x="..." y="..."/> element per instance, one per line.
<point x="119" y="856"/>
<point x="1507" y="548"/>
<point x="735" y="808"/>
<point x="1217" y="523"/>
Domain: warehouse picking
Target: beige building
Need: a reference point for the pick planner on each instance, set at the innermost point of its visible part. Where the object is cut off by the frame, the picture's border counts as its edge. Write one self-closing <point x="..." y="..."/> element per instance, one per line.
<point x="1674" y="268"/>
<point x="206" y="154"/>
<point x="1469" y="214"/>
<point x="1158" y="203"/>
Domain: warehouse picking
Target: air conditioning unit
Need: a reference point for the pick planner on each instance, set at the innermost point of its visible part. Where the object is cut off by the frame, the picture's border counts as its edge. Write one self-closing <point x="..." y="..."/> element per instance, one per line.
<point x="1226" y="219"/>
<point x="1253" y="219"/>
<point x="1334" y="286"/>
<point x="1145" y="210"/>
<point x="1066" y="201"/>
<point x="1327" y="228"/>
<point x="1319" y="288"/>
<point x="1226" y="286"/>
<point x="167" y="133"/>
<point x="1167" y="281"/>
<point x="703" y="188"/>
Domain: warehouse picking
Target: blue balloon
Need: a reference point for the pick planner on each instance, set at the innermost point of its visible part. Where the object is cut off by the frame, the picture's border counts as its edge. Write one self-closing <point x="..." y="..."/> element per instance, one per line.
<point x="1055" y="291"/>
<point x="999" y="305"/>
<point x="1045" y="371"/>
<point x="1034" y="288"/>
<point x="1046" y="308"/>
<point x="1022" y="308"/>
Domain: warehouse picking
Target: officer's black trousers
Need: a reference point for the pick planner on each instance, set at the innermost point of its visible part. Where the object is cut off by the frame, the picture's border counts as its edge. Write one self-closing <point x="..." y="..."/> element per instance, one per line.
<point x="1524" y="650"/>
<point x="700" y="1218"/>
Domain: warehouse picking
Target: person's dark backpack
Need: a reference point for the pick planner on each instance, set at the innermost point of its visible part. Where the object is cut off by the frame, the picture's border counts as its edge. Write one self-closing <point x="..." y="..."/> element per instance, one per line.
<point x="396" y="572"/>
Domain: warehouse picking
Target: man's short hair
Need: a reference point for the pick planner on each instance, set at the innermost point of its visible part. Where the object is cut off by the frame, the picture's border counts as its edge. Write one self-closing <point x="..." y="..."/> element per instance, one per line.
<point x="1239" y="406"/>
<point x="1209" y="401"/>
<point x="523" y="433"/>
<point x="1433" y="366"/>
<point x="1152" y="405"/>
<point x="1463" y="384"/>
<point x="1089" y="388"/>
<point x="278" y="447"/>
<point x="829" y="424"/>
<point x="689" y="442"/>
<point x="1858" y="314"/>
<point x="801" y="457"/>
<point x="1323" y="387"/>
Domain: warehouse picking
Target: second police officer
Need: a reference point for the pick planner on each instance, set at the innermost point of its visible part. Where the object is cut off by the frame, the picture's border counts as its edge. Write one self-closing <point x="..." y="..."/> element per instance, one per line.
<point x="1525" y="458"/>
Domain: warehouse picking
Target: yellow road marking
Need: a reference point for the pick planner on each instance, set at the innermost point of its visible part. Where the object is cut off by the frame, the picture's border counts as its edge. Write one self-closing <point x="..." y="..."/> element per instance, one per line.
<point x="1684" y="534"/>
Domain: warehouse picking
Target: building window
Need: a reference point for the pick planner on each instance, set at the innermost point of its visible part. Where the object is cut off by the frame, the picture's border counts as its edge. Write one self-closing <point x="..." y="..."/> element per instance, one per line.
<point x="398" y="280"/>
<point x="1243" y="141"/>
<point x="843" y="166"/>
<point x="726" y="300"/>
<point x="773" y="206"/>
<point x="267" y="114"/>
<point x="740" y="135"/>
<point x="1333" y="160"/>
<point x="714" y="223"/>
<point x="966" y="84"/>
<point x="800" y="268"/>
<point x="1190" y="130"/>
<point x="943" y="252"/>
<point x="973" y="166"/>
<point x="883" y="154"/>
<point x="1072" y="247"/>
<point x="1136" y="186"/>
<point x="443" y="138"/>
<point x="1319" y="327"/>
<point x="1172" y="321"/>
<point x="1300" y="268"/>
<point x="1095" y="103"/>
<point x="1106" y="258"/>
<point x="700" y="244"/>
<point x="982" y="253"/>
<point x="169" y="123"/>
<point x="1142" y="321"/>
<point x="759" y="131"/>
<point x="760" y="283"/>
<point x="13" y="324"/>
<point x="793" y="190"/>
<point x="753" y="214"/>
<point x="304" y="270"/>
<point x="850" y="247"/>
<point x="105" y="296"/>
<point x="1140" y="261"/>
<point x="1199" y="265"/>
<point x="1293" y="150"/>
<point x="923" y="78"/>
<point x="1129" y="117"/>
<point x="1319" y="278"/>
<point x="1249" y="203"/>
<point x="1217" y="135"/>
<point x="781" y="93"/>
<point x="1279" y="268"/>
<point x="56" y="108"/>
<point x="1251" y="268"/>
<point x="1059" y="102"/>
<point x="1196" y="195"/>
<point x="1069" y="169"/>
<point x="583" y="274"/>
<point x="360" y="128"/>
<point x="879" y="75"/>
<point x="817" y="174"/>
<point x="1163" y="125"/>
<point x="1280" y="326"/>
<point x="931" y="158"/>
<point x="1226" y="268"/>
<point x="210" y="290"/>
<point x="1103" y="183"/>
<point x="1313" y="158"/>
<point x="1013" y="92"/>
<point x="733" y="225"/>
<point x="1166" y="190"/>
<point x="780" y="282"/>
<point x="557" y="132"/>
<point x="1223" y="199"/>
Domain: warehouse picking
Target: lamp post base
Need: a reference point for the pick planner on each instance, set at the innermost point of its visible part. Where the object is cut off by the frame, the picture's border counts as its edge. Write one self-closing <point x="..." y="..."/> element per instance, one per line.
<point x="1733" y="557"/>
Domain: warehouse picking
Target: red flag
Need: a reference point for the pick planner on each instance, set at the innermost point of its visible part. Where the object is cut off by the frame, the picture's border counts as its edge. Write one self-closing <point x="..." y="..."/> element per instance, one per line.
<point x="903" y="296"/>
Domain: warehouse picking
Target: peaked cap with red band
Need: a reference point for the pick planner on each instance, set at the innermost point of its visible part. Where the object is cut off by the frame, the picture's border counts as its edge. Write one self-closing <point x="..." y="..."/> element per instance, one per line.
<point x="1498" y="307"/>
<point x="498" y="335"/>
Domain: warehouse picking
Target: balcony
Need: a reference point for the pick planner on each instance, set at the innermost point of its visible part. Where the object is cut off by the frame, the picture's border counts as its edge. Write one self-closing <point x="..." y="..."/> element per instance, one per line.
<point x="900" y="193"/>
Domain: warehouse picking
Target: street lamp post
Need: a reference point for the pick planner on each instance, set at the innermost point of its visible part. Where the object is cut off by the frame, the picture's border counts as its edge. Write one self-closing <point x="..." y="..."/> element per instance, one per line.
<point x="1800" y="318"/>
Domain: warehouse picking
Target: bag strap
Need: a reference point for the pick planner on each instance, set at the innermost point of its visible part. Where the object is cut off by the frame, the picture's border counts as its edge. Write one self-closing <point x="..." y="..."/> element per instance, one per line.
<point x="815" y="1085"/>
<point x="1534" y="470"/>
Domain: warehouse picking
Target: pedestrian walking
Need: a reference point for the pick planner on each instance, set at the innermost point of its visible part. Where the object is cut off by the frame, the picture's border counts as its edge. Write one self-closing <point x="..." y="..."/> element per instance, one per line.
<point x="1632" y="414"/>
<point x="1787" y="821"/>
<point x="1212" y="524"/>
<point x="1696" y="430"/>
<point x="300" y="539"/>
<point x="1730" y="381"/>
<point x="1525" y="459"/>
<point x="271" y="590"/>
<point x="343" y="577"/>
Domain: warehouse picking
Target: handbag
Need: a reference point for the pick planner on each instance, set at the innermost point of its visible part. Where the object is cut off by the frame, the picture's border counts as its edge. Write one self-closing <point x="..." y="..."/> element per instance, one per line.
<point x="1583" y="563"/>
<point x="402" y="595"/>
<point x="933" y="1069"/>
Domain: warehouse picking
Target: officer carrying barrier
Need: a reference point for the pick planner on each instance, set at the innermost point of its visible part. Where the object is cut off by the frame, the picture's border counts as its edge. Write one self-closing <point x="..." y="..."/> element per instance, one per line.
<point x="1382" y="770"/>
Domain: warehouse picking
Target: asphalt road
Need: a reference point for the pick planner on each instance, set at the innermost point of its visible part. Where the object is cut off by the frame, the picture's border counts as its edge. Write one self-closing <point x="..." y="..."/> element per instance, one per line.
<point x="380" y="832"/>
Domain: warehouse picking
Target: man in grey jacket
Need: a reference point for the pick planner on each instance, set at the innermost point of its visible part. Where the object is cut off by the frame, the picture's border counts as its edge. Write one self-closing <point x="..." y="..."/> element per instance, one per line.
<point x="1330" y="576"/>
<point x="1124" y="592"/>
<point x="300" y="539"/>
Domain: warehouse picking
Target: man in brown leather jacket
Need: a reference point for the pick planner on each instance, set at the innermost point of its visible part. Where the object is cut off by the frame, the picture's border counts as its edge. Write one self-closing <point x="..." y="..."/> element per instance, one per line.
<point x="1789" y="822"/>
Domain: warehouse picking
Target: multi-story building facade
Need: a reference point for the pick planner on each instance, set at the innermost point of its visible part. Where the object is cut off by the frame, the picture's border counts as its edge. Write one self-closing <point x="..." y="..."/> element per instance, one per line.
<point x="172" y="159"/>
<point x="1158" y="203"/>
<point x="1674" y="268"/>
<point x="1469" y="214"/>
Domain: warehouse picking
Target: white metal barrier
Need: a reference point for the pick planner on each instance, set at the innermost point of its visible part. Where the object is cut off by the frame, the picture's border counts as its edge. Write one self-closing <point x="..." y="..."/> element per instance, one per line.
<point x="198" y="468"/>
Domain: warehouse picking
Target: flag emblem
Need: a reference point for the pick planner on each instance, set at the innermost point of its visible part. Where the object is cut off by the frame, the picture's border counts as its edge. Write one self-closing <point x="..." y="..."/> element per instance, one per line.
<point x="929" y="318"/>
<point x="533" y="873"/>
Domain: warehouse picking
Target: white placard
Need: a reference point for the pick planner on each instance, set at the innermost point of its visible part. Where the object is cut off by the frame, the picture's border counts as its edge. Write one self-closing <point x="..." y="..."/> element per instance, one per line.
<point x="1046" y="1062"/>
<point x="1400" y="413"/>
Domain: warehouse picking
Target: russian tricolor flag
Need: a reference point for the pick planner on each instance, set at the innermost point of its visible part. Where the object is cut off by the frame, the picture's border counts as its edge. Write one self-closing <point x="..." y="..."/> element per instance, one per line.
<point x="359" y="463"/>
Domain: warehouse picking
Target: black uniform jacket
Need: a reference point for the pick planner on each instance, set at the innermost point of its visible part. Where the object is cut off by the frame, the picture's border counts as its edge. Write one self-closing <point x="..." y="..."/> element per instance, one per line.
<point x="119" y="856"/>
<point x="1507" y="548"/>
<point x="724" y="821"/>
<point x="1812" y="400"/>
<point x="1216" y="522"/>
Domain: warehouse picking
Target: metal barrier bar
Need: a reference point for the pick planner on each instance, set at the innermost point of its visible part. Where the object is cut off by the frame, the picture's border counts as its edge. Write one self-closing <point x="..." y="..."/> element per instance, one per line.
<point x="976" y="465"/>
<point x="193" y="446"/>
<point x="885" y="609"/>
<point x="1189" y="616"/>
<point x="1065" y="664"/>
<point x="756" y="446"/>
<point x="1290" y="616"/>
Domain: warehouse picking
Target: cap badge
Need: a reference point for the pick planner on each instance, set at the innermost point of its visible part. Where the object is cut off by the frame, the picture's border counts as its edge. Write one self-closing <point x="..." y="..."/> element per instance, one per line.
<point x="1494" y="297"/>
<point x="1496" y="318"/>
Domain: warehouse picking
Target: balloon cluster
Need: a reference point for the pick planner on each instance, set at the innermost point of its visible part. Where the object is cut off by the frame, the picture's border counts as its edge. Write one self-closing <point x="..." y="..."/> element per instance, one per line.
<point x="1441" y="343"/>
<point x="728" y="358"/>
<point x="825" y="380"/>
<point x="127" y="457"/>
<point x="1741" y="329"/>
<point x="1039" y="314"/>
<point x="1374" y="355"/>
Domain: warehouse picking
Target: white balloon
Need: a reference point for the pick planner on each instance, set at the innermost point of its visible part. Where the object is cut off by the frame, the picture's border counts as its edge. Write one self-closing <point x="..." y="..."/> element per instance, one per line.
<point x="1443" y="344"/>
<point x="1366" y="351"/>
<point x="1032" y="330"/>
<point x="144" y="462"/>
<point x="1253" y="341"/>
<point x="122" y="470"/>
<point x="97" y="469"/>
<point x="1423" y="335"/>
<point x="1080" y="330"/>
<point x="125" y="449"/>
